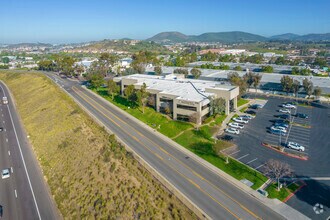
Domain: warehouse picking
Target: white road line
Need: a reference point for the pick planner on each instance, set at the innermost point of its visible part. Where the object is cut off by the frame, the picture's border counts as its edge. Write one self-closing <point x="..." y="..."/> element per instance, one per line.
<point x="12" y="170"/>
<point x="20" y="150"/>
<point x="15" y="193"/>
<point x="6" y="139"/>
<point x="234" y="152"/>
<point x="9" y="152"/>
<point x="4" y="122"/>
<point x="251" y="161"/>
<point x="243" y="156"/>
<point x="260" y="166"/>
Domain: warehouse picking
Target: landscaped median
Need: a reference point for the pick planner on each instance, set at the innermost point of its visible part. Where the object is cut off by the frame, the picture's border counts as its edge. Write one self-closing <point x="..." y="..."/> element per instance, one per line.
<point x="198" y="140"/>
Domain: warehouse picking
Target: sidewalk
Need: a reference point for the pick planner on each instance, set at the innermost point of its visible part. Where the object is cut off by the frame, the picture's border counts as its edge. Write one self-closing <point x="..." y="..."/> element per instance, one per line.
<point x="274" y="204"/>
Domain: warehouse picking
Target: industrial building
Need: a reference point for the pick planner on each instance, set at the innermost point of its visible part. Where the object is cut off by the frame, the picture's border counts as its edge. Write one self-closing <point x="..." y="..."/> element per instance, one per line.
<point x="183" y="97"/>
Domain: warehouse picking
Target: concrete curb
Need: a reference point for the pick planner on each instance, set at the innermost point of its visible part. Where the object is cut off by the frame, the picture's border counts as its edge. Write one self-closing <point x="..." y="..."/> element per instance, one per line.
<point x="169" y="186"/>
<point x="273" y="204"/>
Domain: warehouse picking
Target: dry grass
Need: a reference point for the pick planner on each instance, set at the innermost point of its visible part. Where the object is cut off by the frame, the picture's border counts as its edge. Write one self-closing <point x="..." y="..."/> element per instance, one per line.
<point x="91" y="176"/>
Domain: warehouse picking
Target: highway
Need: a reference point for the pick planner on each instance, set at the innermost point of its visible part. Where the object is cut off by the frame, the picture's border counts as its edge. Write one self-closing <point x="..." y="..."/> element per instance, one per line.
<point x="24" y="195"/>
<point x="213" y="194"/>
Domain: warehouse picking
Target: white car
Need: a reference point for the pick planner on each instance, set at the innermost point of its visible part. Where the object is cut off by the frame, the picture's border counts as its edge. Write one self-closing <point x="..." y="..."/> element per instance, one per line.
<point x="236" y="125"/>
<point x="240" y="120"/>
<point x="285" y="110"/>
<point x="295" y="146"/>
<point x="232" y="130"/>
<point x="289" y="106"/>
<point x="278" y="128"/>
<point x="5" y="174"/>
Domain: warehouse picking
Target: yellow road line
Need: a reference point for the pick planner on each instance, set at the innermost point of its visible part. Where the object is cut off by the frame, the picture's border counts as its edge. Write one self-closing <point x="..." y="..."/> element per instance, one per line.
<point x="198" y="175"/>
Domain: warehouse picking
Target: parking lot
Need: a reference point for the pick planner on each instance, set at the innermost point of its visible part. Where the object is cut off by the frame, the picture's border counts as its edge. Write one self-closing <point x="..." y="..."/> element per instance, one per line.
<point x="312" y="133"/>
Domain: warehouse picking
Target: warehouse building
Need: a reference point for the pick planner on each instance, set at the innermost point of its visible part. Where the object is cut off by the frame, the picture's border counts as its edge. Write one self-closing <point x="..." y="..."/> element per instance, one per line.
<point x="182" y="97"/>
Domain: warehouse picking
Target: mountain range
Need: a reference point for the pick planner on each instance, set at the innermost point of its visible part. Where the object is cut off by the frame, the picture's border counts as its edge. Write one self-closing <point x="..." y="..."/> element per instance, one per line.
<point x="233" y="37"/>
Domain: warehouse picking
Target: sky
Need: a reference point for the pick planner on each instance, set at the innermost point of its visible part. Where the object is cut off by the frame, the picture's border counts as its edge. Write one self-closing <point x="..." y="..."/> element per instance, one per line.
<point x="69" y="21"/>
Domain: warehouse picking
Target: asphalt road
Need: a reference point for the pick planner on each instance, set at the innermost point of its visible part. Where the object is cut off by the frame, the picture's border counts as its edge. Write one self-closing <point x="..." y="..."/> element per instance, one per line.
<point x="24" y="195"/>
<point x="217" y="197"/>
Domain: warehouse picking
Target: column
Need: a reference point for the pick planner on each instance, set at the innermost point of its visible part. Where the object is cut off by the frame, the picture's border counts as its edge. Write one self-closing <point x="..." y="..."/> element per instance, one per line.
<point x="227" y="107"/>
<point x="157" y="102"/>
<point x="235" y="103"/>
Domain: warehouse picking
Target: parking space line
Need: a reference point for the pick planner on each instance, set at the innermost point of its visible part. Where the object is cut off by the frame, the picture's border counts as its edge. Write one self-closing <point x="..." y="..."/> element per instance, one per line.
<point x="243" y="156"/>
<point x="251" y="161"/>
<point x="234" y="152"/>
<point x="260" y="166"/>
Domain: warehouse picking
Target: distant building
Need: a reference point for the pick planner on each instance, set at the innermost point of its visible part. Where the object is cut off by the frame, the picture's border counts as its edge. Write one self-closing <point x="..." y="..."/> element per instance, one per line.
<point x="182" y="97"/>
<point x="126" y="62"/>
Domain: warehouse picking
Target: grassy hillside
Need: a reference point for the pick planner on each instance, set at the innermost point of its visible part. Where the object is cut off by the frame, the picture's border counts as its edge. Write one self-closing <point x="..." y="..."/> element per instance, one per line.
<point x="91" y="176"/>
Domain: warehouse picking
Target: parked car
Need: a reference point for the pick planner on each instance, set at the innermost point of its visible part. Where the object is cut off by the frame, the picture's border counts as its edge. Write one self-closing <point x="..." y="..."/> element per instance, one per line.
<point x="256" y="106"/>
<point x="285" y="125"/>
<point x="236" y="125"/>
<point x="289" y="106"/>
<point x="5" y="174"/>
<point x="282" y="121"/>
<point x="251" y="112"/>
<point x="247" y="117"/>
<point x="301" y="115"/>
<point x="227" y="137"/>
<point x="240" y="120"/>
<point x="284" y="110"/>
<point x="1" y="211"/>
<point x="282" y="129"/>
<point x="295" y="146"/>
<point x="277" y="132"/>
<point x="282" y="116"/>
<point x="232" y="130"/>
<point x="1" y="129"/>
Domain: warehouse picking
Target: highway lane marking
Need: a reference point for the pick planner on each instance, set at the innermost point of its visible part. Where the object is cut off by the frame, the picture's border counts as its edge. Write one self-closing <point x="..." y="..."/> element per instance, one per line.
<point x="12" y="170"/>
<point x="243" y="156"/>
<point x="20" y="150"/>
<point x="9" y="152"/>
<point x="252" y="161"/>
<point x="218" y="189"/>
<point x="6" y="139"/>
<point x="15" y="193"/>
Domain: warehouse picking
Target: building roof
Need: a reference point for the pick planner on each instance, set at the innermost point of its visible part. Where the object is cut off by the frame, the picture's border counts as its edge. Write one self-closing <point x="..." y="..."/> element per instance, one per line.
<point x="184" y="89"/>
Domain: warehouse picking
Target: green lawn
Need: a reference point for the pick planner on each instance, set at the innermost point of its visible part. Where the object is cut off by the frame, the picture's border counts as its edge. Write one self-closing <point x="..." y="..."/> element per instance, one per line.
<point x="241" y="102"/>
<point x="283" y="193"/>
<point x="152" y="118"/>
<point x="198" y="141"/>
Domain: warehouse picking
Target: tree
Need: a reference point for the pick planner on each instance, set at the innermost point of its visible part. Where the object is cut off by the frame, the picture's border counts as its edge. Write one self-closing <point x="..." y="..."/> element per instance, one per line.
<point x="96" y="80"/>
<point x="287" y="84"/>
<point x="113" y="88"/>
<point x="317" y="92"/>
<point x="267" y="69"/>
<point x="129" y="93"/>
<point x="181" y="71"/>
<point x="5" y="60"/>
<point x="275" y="170"/>
<point x="139" y="68"/>
<point x="142" y="96"/>
<point x="79" y="69"/>
<point x="308" y="87"/>
<point x="217" y="105"/>
<point x="256" y="81"/>
<point x="46" y="65"/>
<point x="238" y="68"/>
<point x="236" y="80"/>
<point x="295" y="87"/>
<point x="249" y="78"/>
<point x="66" y="65"/>
<point x="195" y="72"/>
<point x="158" y="70"/>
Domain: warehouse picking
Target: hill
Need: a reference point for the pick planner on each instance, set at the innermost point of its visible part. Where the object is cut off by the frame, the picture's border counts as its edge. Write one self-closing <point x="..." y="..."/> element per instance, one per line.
<point x="223" y="37"/>
<point x="169" y="37"/>
<point x="126" y="45"/>
<point x="287" y="36"/>
<point x="229" y="37"/>
<point x="29" y="45"/>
